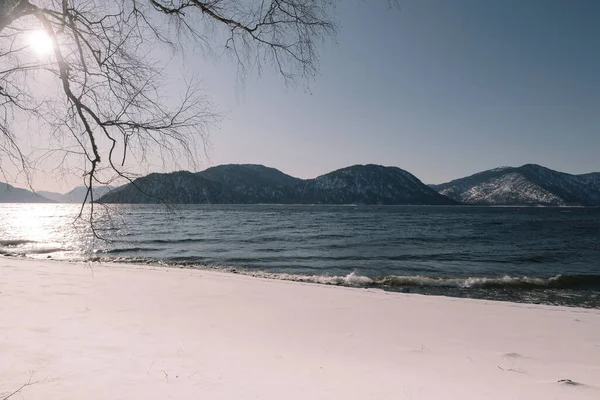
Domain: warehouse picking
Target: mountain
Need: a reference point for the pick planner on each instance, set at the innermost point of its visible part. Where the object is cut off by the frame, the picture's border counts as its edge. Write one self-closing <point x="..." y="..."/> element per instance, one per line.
<point x="529" y="184"/>
<point x="368" y="184"/>
<point x="591" y="180"/>
<point x="11" y="194"/>
<point x="56" y="197"/>
<point x="252" y="184"/>
<point x="248" y="175"/>
<point x="76" y="195"/>
<point x="181" y="187"/>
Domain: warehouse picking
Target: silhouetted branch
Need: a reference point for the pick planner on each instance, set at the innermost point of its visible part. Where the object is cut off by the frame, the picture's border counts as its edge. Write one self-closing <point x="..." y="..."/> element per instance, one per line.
<point x="107" y="108"/>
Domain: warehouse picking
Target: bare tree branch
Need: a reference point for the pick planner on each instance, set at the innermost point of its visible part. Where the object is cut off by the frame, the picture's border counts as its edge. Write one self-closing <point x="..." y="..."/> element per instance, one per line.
<point x="103" y="98"/>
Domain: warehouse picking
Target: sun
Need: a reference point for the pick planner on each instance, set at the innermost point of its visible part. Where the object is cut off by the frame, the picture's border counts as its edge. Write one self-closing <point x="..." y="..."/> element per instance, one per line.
<point x="40" y="42"/>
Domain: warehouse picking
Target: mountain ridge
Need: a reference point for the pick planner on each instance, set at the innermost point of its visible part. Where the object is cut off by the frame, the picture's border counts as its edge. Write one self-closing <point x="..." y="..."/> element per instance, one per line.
<point x="11" y="194"/>
<point x="255" y="184"/>
<point x="527" y="185"/>
<point x="77" y="194"/>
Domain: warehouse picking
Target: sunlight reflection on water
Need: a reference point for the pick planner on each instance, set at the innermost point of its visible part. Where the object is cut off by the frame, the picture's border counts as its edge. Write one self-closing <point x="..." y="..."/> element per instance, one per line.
<point x="38" y="230"/>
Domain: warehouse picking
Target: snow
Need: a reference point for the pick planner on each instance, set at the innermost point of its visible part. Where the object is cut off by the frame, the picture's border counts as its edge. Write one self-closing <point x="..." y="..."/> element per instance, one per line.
<point x="509" y="188"/>
<point x="135" y="332"/>
<point x="529" y="184"/>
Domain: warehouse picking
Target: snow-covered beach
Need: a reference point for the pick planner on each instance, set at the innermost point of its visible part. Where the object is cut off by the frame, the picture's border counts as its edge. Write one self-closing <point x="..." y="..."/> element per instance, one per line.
<point x="125" y="332"/>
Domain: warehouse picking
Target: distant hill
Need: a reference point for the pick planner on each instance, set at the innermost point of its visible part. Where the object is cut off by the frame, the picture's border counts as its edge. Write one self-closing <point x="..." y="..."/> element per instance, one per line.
<point x="76" y="195"/>
<point x="529" y="184"/>
<point x="11" y="194"/>
<point x="252" y="184"/>
<point x="55" y="197"/>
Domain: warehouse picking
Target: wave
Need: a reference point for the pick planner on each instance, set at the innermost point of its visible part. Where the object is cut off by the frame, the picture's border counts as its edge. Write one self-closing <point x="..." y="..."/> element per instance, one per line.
<point x="32" y="252"/>
<point x="504" y="282"/>
<point x="524" y="282"/>
<point x="128" y="250"/>
<point x="15" y="242"/>
<point x="178" y="241"/>
<point x="25" y="247"/>
<point x="574" y="282"/>
<point x="393" y="282"/>
<point x="46" y="250"/>
<point x="352" y="279"/>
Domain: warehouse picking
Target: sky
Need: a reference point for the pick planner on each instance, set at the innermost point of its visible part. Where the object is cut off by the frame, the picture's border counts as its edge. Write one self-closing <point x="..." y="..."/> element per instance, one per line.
<point x="443" y="89"/>
<point x="440" y="88"/>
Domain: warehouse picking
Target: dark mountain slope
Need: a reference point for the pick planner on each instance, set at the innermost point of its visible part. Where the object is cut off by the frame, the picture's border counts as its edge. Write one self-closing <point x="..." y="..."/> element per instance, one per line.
<point x="180" y="187"/>
<point x="251" y="184"/>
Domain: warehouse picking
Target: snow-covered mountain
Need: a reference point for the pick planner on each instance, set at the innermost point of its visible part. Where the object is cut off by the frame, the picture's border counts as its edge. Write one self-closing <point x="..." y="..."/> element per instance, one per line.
<point x="252" y="184"/>
<point x="529" y="184"/>
<point x="11" y="194"/>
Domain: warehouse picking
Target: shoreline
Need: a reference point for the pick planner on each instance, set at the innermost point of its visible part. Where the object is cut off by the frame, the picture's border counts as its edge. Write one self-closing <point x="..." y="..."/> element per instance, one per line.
<point x="138" y="331"/>
<point x="446" y="287"/>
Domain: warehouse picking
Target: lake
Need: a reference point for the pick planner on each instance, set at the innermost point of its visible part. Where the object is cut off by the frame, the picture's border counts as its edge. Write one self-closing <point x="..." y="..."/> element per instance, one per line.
<point x="523" y="254"/>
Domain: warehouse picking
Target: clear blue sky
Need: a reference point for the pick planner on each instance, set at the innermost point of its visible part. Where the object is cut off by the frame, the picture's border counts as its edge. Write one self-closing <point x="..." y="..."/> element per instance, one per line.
<point x="440" y="88"/>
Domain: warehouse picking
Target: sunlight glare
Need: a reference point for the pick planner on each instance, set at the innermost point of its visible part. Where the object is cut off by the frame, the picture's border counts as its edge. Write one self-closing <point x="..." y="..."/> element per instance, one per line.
<point x="40" y="42"/>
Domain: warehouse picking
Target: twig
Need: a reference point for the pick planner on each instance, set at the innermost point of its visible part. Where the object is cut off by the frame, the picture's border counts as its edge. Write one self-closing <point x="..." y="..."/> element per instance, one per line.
<point x="23" y="386"/>
<point x="149" y="367"/>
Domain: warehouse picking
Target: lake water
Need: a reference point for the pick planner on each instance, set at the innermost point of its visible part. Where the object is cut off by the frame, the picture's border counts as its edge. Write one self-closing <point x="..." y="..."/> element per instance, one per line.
<point x="535" y="255"/>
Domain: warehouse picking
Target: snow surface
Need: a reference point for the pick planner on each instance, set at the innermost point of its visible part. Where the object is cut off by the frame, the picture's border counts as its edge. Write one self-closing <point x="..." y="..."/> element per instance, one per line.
<point x="529" y="184"/>
<point x="509" y="188"/>
<point x="133" y="332"/>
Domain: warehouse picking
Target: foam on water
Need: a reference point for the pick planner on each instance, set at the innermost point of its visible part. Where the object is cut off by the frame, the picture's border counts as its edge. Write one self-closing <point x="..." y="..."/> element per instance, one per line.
<point x="15" y="242"/>
<point x="353" y="279"/>
<point x="524" y="282"/>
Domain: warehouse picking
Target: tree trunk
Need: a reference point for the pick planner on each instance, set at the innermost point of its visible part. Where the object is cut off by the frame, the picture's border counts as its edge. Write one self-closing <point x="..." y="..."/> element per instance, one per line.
<point x="12" y="10"/>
